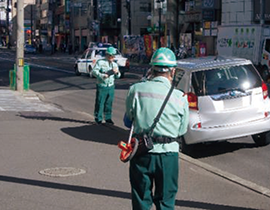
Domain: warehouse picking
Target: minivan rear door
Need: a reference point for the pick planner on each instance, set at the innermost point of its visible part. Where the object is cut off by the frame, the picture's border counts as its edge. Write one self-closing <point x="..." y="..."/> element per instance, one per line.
<point x="228" y="95"/>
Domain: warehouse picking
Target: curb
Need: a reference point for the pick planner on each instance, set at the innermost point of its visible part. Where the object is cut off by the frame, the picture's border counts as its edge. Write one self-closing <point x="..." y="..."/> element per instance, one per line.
<point x="250" y="185"/>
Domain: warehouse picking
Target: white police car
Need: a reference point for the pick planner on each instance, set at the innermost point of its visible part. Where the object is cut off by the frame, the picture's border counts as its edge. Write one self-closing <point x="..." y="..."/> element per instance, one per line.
<point x="86" y="62"/>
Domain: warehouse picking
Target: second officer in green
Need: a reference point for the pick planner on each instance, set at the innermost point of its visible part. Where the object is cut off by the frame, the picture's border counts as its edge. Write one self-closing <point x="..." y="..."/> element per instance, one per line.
<point x="106" y="71"/>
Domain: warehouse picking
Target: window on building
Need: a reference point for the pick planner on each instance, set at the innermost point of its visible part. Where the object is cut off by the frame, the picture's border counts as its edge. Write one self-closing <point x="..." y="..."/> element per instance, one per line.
<point x="44" y="13"/>
<point x="267" y="45"/>
<point x="84" y="9"/>
<point x="145" y="6"/>
<point x="76" y="11"/>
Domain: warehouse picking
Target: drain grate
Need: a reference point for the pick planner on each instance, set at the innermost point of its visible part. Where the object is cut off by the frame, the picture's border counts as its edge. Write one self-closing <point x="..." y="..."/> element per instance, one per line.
<point x="62" y="171"/>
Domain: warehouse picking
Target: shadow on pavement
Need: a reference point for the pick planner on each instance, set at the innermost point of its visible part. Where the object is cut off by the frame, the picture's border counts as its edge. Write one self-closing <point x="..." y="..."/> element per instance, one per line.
<point x="216" y="148"/>
<point x="47" y="116"/>
<point x="98" y="133"/>
<point x="113" y="193"/>
<point x="104" y="133"/>
<point x="112" y="135"/>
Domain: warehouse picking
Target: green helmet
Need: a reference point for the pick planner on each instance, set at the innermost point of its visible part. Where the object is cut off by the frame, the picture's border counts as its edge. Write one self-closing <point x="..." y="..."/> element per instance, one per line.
<point x="163" y="57"/>
<point x="111" y="51"/>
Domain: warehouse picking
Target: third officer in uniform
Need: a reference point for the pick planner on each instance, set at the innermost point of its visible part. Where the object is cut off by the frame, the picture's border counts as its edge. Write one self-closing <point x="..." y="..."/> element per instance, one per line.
<point x="158" y="168"/>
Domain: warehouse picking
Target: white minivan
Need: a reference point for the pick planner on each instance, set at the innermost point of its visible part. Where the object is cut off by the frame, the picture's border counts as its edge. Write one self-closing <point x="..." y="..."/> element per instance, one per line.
<point x="227" y="99"/>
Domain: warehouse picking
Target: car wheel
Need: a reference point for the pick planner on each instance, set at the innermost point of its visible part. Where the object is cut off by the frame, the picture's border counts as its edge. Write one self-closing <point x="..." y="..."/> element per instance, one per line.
<point x="77" y="71"/>
<point x="122" y="75"/>
<point x="184" y="147"/>
<point x="90" y="72"/>
<point x="262" y="139"/>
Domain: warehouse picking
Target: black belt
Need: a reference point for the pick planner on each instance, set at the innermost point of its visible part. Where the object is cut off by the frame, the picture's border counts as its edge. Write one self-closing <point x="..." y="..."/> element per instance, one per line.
<point x="159" y="139"/>
<point x="164" y="139"/>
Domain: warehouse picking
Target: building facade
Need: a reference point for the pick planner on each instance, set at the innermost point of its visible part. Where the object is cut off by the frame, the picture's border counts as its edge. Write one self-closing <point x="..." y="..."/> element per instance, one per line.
<point x="73" y="24"/>
<point x="5" y="21"/>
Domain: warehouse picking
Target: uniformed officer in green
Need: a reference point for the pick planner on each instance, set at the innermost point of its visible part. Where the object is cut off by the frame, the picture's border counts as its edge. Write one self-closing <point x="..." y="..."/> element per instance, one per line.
<point x="158" y="168"/>
<point x="106" y="71"/>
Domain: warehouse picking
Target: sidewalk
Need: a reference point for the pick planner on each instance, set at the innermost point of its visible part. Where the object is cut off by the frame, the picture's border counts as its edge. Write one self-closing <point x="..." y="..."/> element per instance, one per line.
<point x="82" y="166"/>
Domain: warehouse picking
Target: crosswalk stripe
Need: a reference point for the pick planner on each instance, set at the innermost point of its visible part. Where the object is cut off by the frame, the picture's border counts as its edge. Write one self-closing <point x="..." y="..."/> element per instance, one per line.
<point x="12" y="102"/>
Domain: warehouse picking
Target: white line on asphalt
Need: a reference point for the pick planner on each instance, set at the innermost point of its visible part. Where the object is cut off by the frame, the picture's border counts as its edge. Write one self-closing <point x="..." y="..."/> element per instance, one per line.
<point x="41" y="66"/>
<point x="226" y="175"/>
<point x="50" y="68"/>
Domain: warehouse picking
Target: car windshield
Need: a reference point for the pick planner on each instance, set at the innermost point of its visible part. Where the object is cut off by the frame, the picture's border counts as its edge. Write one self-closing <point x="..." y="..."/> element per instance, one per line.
<point x="85" y="53"/>
<point x="100" y="53"/>
<point x="222" y="80"/>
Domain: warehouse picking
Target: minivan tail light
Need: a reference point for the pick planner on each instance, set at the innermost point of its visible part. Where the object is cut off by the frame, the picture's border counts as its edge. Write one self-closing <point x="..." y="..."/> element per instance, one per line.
<point x="192" y="101"/>
<point x="264" y="90"/>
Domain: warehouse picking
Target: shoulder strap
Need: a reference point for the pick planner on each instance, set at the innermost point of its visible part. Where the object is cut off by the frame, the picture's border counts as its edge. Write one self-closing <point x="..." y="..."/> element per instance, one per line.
<point x="160" y="111"/>
<point x="177" y="77"/>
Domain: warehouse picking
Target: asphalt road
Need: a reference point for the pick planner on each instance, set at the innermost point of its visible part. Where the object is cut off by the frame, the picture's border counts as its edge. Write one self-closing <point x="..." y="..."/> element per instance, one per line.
<point x="53" y="77"/>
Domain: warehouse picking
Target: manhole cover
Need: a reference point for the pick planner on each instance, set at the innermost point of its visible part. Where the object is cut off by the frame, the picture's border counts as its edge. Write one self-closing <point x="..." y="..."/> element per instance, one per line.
<point x="62" y="171"/>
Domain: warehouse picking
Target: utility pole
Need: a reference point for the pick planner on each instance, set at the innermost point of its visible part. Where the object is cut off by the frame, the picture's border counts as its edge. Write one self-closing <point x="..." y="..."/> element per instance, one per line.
<point x="31" y="37"/>
<point x="177" y="31"/>
<point x="20" y="44"/>
<point x="129" y="16"/>
<point x="262" y="6"/>
<point x="72" y="25"/>
<point x="53" y="25"/>
<point x="160" y="4"/>
<point x="159" y="26"/>
<point x="7" y="29"/>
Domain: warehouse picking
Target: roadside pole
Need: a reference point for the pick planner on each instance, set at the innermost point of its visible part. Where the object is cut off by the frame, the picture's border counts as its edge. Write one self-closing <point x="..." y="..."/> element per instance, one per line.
<point x="7" y="29"/>
<point x="20" y="44"/>
<point x="262" y="13"/>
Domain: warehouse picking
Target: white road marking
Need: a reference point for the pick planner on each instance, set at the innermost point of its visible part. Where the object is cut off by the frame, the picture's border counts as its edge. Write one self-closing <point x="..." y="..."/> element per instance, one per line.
<point x="13" y="101"/>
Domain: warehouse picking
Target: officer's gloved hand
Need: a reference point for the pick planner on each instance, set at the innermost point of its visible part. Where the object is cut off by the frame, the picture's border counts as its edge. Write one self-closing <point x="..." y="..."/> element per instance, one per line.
<point x="127" y="121"/>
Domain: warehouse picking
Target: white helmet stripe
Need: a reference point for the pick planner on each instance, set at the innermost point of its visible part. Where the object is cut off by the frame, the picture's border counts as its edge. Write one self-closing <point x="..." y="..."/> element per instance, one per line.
<point x="163" y="57"/>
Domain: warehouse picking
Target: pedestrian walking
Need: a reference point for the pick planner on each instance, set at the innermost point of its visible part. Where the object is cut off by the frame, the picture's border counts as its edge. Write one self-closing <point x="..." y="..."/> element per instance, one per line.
<point x="158" y="168"/>
<point x="106" y="71"/>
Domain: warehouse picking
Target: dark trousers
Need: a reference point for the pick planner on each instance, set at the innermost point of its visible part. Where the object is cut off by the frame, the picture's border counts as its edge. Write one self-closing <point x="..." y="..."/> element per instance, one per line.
<point x="148" y="170"/>
<point x="104" y="101"/>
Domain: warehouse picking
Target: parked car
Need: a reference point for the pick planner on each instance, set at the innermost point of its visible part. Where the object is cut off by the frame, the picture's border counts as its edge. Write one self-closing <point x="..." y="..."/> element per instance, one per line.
<point x="227" y="99"/>
<point x="30" y="49"/>
<point x="90" y="56"/>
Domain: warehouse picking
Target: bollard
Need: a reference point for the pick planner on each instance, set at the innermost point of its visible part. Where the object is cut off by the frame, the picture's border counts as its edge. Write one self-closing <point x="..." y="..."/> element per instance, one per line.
<point x="26" y="71"/>
<point x="13" y="78"/>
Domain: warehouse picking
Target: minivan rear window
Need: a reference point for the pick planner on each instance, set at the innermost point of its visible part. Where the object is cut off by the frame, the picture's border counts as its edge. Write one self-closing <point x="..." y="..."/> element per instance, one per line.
<point x="224" y="79"/>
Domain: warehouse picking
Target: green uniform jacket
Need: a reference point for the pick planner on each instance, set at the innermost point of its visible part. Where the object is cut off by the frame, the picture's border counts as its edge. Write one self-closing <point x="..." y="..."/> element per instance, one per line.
<point x="101" y="68"/>
<point x="143" y="103"/>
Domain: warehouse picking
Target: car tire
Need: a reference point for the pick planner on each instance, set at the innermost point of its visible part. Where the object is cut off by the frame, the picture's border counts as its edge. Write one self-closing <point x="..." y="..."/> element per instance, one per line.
<point x="77" y="71"/>
<point x="262" y="139"/>
<point x="90" y="72"/>
<point x="184" y="147"/>
<point x="122" y="75"/>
